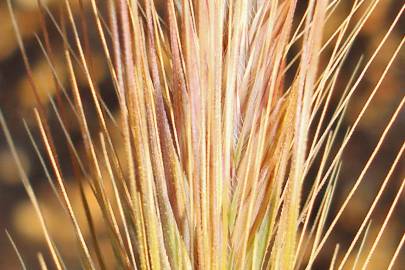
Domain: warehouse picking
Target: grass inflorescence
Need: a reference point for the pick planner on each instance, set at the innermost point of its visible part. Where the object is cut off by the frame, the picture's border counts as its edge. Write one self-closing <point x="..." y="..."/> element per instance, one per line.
<point x="225" y="150"/>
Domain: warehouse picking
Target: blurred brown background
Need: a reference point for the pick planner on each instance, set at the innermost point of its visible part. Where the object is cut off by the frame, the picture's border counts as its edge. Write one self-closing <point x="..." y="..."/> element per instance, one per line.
<point x="17" y="102"/>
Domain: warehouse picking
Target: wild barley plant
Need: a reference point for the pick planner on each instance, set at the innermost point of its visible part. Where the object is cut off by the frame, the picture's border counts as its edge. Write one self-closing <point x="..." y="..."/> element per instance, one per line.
<point x="221" y="122"/>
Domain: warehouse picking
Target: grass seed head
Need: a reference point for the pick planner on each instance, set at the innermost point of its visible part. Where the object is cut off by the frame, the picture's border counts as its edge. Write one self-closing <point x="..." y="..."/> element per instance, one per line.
<point x="223" y="151"/>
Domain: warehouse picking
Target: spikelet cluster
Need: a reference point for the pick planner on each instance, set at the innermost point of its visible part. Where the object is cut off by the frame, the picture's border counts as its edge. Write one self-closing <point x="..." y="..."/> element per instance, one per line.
<point x="223" y="110"/>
